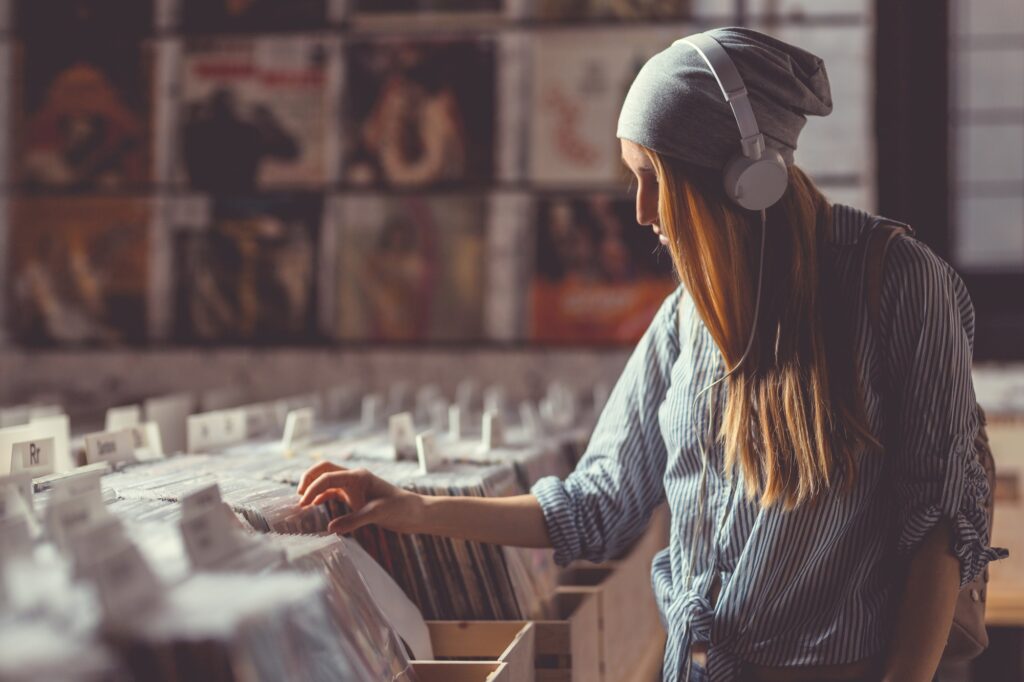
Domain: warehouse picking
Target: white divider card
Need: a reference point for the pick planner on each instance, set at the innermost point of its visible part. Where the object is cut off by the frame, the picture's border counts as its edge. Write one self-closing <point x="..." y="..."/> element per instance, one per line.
<point x="83" y="480"/>
<point x="8" y="437"/>
<point x="90" y="544"/>
<point x="201" y="500"/>
<point x="372" y="408"/>
<point x="211" y="430"/>
<point x="146" y="441"/>
<point x="211" y="537"/>
<point x="398" y="396"/>
<point x="455" y="422"/>
<point x="126" y="584"/>
<point x="530" y="419"/>
<point x="438" y="415"/>
<point x="20" y="484"/>
<point x="298" y="428"/>
<point x="402" y="434"/>
<point x="493" y="431"/>
<point x="465" y="394"/>
<point x="494" y="399"/>
<point x="58" y="427"/>
<point x="123" y="417"/>
<point x="427" y="453"/>
<point x="171" y="413"/>
<point x="397" y="608"/>
<point x="41" y="411"/>
<point x="260" y="419"/>
<point x="73" y="505"/>
<point x="114" y="448"/>
<point x="35" y="457"/>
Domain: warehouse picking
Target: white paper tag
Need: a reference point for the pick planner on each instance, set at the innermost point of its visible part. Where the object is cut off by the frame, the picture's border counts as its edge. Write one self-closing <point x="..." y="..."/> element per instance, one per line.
<point x="83" y="482"/>
<point x="119" y="418"/>
<point x="438" y="412"/>
<point x="211" y="538"/>
<point x="35" y="457"/>
<point x="113" y="448"/>
<point x="201" y="500"/>
<point x="402" y="433"/>
<point x="146" y="441"/>
<point x="494" y="399"/>
<point x="126" y="584"/>
<point x="36" y="412"/>
<point x="371" y="411"/>
<point x="260" y="420"/>
<point x="298" y="428"/>
<point x="212" y="430"/>
<point x="171" y="413"/>
<point x="65" y="517"/>
<point x="58" y="427"/>
<point x="465" y="394"/>
<point x="455" y="422"/>
<point x="493" y="431"/>
<point x="427" y="453"/>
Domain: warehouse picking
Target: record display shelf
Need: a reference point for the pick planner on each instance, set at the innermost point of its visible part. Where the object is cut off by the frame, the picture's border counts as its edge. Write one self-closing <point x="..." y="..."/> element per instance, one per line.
<point x="460" y="671"/>
<point x="510" y="642"/>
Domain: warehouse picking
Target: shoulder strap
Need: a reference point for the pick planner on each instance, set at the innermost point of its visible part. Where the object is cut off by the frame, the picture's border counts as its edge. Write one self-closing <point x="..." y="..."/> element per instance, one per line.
<point x="875" y="241"/>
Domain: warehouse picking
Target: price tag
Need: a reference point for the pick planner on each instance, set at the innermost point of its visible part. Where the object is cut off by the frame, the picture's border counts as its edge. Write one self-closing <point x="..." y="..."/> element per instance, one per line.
<point x="427" y="453"/>
<point x="112" y="448"/>
<point x="120" y="418"/>
<point x="35" y="457"/>
<point x="402" y="433"/>
<point x="298" y="428"/>
<point x="493" y="431"/>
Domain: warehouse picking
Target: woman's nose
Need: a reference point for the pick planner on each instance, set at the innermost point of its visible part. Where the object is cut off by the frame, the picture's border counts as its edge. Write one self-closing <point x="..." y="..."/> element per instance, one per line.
<point x="646" y="205"/>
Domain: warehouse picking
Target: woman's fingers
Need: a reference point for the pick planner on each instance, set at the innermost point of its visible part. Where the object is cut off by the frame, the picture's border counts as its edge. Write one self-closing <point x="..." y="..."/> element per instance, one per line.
<point x="333" y="493"/>
<point x="355" y="520"/>
<point x="351" y="482"/>
<point x="314" y="472"/>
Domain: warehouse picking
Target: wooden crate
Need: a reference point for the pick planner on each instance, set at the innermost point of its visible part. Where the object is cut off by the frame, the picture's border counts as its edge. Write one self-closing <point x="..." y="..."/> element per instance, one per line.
<point x="568" y="648"/>
<point x="629" y="626"/>
<point x="460" y="671"/>
<point x="509" y="642"/>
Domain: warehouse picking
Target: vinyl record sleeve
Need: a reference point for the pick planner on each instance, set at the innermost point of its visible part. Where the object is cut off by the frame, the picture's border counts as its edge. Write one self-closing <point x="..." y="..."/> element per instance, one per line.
<point x="410" y="268"/>
<point x="419" y="112"/>
<point x="78" y="269"/>
<point x="598" y="277"/>
<point x="249" y="275"/>
<point x="84" y="114"/>
<point x="255" y="112"/>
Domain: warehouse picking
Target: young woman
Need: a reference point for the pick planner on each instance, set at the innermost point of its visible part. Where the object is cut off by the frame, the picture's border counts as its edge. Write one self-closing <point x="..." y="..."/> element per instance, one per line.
<point x="824" y="494"/>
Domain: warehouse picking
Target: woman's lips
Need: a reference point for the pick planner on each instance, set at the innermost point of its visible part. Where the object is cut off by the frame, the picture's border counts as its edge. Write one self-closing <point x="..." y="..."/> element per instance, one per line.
<point x="661" y="238"/>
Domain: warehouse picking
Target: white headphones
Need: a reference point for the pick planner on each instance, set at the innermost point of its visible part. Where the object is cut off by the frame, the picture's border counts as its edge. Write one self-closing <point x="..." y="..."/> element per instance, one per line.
<point x="757" y="177"/>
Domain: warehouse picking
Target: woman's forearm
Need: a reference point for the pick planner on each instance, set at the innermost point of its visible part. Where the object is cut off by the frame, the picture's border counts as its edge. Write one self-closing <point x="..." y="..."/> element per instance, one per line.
<point x="516" y="521"/>
<point x="926" y="610"/>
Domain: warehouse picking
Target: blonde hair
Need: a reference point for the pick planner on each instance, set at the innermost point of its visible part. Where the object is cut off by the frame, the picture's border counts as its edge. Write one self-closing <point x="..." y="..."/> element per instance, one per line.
<point x="795" y="414"/>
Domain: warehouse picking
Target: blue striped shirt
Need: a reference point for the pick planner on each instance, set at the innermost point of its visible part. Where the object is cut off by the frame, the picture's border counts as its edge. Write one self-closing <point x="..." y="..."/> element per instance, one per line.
<point x="817" y="585"/>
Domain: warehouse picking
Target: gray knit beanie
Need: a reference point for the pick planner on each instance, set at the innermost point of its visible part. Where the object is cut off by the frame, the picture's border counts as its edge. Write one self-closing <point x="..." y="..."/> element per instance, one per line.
<point x="676" y="108"/>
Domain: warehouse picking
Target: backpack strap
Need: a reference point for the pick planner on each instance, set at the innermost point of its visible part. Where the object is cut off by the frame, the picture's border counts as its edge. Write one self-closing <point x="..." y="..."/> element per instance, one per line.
<point x="875" y="240"/>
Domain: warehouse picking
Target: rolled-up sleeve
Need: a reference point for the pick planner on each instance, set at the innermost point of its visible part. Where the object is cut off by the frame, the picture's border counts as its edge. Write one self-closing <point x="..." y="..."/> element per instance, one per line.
<point x="598" y="510"/>
<point x="930" y="329"/>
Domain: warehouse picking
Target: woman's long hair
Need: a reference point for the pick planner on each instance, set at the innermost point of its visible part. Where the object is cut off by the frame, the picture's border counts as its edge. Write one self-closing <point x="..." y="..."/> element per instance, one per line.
<point x="795" y="413"/>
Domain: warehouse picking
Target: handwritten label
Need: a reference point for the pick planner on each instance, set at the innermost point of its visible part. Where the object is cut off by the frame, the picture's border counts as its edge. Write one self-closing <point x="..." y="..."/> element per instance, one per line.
<point x="112" y="448"/>
<point x="119" y="418"/>
<point x="427" y="453"/>
<point x="34" y="456"/>
<point x="298" y="428"/>
<point x="402" y="434"/>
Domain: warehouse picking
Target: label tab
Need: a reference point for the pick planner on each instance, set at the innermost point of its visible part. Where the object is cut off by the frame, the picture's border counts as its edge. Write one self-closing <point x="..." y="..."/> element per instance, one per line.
<point x="112" y="448"/>
<point x="298" y="428"/>
<point x="402" y="433"/>
<point x="427" y="453"/>
<point x="35" y="457"/>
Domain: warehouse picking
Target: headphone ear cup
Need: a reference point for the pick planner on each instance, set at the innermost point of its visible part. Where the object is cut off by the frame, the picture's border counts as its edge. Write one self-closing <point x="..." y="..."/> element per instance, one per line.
<point x="756" y="184"/>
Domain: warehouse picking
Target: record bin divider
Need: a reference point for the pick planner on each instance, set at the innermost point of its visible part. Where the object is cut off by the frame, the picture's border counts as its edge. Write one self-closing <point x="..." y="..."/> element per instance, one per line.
<point x="510" y="642"/>
<point x="631" y="637"/>
<point x="460" y="671"/>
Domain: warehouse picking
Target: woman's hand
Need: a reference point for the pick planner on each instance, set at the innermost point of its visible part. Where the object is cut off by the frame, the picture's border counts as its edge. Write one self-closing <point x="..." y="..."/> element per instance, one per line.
<point x="372" y="499"/>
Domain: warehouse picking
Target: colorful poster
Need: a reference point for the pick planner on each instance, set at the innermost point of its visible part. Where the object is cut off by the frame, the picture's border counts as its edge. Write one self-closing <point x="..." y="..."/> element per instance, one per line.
<point x="253" y="15"/>
<point x="419" y="112"/>
<point x="410" y="268"/>
<point x="598" y="276"/>
<point x="248" y="275"/>
<point x="84" y="116"/>
<point x="79" y="269"/>
<point x="254" y="113"/>
<point x="578" y="80"/>
<point x="611" y="9"/>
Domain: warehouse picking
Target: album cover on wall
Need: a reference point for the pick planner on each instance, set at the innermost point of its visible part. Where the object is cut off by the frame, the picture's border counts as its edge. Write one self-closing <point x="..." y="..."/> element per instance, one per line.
<point x="247" y="275"/>
<point x="419" y="112"/>
<point x="409" y="268"/>
<point x="252" y="15"/>
<point x="598" y="276"/>
<point x="78" y="269"/>
<point x="255" y="112"/>
<point x="574" y="108"/>
<point x="610" y="9"/>
<point x="84" y="114"/>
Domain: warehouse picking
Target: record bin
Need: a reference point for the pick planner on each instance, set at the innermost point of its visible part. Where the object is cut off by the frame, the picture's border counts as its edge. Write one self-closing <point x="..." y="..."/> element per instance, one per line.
<point x="508" y="642"/>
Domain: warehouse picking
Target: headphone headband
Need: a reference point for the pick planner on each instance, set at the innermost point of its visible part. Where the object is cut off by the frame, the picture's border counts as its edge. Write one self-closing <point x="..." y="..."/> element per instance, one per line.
<point x="733" y="89"/>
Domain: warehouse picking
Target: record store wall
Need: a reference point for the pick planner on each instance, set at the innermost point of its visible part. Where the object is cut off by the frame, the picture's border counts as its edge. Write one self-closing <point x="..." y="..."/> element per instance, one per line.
<point x="275" y="194"/>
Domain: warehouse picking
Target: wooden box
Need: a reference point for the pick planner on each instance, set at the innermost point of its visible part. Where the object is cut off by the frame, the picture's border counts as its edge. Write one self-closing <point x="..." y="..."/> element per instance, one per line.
<point x="508" y="642"/>
<point x="568" y="648"/>
<point x="460" y="671"/>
